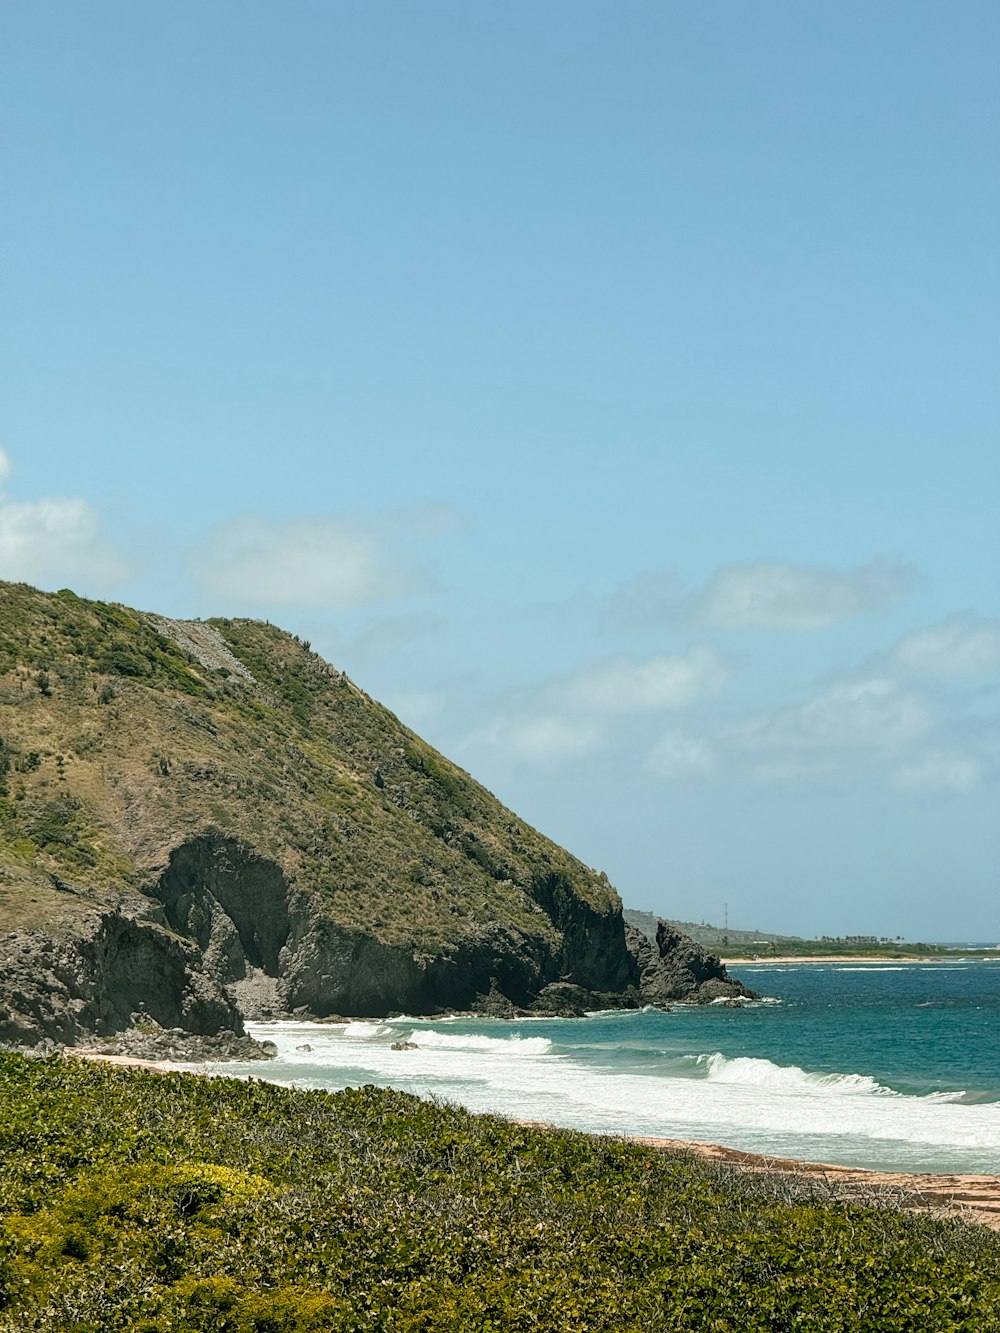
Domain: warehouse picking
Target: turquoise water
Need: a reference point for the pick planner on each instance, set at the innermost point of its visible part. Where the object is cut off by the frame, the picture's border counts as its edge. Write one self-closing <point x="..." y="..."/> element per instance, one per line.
<point x="917" y="1028"/>
<point x="888" y="1066"/>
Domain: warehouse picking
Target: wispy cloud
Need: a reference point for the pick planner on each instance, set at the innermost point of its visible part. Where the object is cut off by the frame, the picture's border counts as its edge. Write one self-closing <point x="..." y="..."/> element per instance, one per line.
<point x="961" y="646"/>
<point x="55" y="539"/>
<point x="328" y="562"/>
<point x="871" y="716"/>
<point x="939" y="770"/>
<point x="865" y="727"/>
<point x="677" y="757"/>
<point x="798" y="597"/>
<point x="569" y="716"/>
<point x="542" y="739"/>
<point x="650" y="686"/>
<point x="762" y="595"/>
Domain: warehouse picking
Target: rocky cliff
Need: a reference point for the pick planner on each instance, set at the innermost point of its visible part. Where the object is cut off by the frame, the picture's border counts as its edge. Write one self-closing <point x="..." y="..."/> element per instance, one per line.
<point x="204" y="821"/>
<point x="673" y="967"/>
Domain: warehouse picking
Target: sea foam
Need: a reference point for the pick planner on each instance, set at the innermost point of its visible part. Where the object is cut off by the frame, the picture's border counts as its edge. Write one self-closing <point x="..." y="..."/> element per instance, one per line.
<point x="443" y="1041"/>
<point x="744" y="1101"/>
<point x="757" y="1073"/>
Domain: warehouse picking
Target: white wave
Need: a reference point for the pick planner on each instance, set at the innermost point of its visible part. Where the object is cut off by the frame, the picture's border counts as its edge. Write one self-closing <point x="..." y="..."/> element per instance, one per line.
<point x="755" y="1105"/>
<point x="363" y="1029"/>
<point x="759" y="1073"/>
<point x="442" y="1041"/>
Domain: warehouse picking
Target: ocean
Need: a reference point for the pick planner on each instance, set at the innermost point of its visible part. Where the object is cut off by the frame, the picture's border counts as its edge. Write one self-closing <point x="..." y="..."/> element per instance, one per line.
<point x="892" y="1066"/>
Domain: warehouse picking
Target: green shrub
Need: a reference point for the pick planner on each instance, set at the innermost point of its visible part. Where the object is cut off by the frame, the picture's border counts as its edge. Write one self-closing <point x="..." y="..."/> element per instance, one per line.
<point x="131" y="1201"/>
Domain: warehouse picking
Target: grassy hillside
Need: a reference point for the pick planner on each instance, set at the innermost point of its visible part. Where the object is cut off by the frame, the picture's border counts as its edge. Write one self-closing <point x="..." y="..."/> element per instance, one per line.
<point x="115" y="739"/>
<point x="125" y="737"/>
<point x="153" y="1203"/>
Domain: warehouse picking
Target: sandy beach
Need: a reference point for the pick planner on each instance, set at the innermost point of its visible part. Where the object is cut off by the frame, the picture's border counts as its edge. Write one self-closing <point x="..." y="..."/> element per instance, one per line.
<point x="123" y="1061"/>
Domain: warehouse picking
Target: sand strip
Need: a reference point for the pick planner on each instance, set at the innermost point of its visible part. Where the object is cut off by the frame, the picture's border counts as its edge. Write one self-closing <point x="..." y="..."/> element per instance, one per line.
<point x="973" y="1198"/>
<point x="976" y="1198"/>
<point x="124" y="1061"/>
<point x="768" y="960"/>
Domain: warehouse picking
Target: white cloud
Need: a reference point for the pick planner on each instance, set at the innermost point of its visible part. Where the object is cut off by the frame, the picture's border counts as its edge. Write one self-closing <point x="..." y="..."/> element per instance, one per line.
<point x="960" y="646"/>
<point x="655" y="685"/>
<point x="54" y="540"/>
<point x="939" y="771"/>
<point x="328" y="562"/>
<point x="801" y="597"/>
<point x="849" y="727"/>
<point x="869" y="727"/>
<point x="541" y="739"/>
<point x="676" y="756"/>
<point x="567" y="718"/>
<point x="759" y="595"/>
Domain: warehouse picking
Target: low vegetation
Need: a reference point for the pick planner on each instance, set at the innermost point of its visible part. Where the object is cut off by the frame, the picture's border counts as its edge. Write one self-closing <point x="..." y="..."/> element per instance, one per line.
<point x="146" y="1202"/>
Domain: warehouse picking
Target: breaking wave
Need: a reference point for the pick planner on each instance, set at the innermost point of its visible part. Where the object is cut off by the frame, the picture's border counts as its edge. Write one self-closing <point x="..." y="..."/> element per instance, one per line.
<point x="364" y="1030"/>
<point x="445" y="1041"/>
<point x="757" y="1073"/>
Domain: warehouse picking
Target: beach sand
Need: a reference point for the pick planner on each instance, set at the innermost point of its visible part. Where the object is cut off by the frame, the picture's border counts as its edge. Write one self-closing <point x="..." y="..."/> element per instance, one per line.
<point x="123" y="1061"/>
<point x="972" y="1198"/>
<point x="897" y="960"/>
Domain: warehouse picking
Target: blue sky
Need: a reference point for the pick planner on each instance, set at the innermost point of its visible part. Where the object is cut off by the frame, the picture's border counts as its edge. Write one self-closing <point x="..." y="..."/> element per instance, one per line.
<point x="611" y="389"/>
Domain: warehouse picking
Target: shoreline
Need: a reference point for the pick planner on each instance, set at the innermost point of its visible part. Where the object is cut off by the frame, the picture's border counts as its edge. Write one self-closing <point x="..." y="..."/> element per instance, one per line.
<point x="896" y="960"/>
<point x="973" y="1198"/>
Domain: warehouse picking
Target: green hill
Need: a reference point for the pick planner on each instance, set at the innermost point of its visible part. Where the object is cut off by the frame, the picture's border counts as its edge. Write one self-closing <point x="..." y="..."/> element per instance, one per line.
<point x="205" y="820"/>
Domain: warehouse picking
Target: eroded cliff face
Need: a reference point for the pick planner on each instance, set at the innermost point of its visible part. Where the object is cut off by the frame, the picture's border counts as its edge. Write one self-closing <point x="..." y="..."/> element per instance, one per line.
<point x="95" y="981"/>
<point x="593" y="955"/>
<point x="222" y="935"/>
<point x="274" y="951"/>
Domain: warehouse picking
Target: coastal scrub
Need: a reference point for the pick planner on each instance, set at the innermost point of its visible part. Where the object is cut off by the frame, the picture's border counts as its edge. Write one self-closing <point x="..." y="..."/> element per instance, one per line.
<point x="149" y="1202"/>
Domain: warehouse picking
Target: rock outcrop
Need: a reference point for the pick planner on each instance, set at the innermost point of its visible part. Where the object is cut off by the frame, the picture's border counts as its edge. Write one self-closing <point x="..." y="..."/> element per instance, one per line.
<point x="673" y="968"/>
<point x="91" y="982"/>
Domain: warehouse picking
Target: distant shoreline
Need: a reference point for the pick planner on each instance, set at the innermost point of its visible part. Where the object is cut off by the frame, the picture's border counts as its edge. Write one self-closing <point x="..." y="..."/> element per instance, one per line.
<point x="898" y="959"/>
